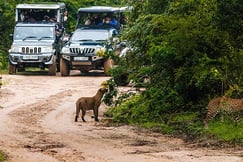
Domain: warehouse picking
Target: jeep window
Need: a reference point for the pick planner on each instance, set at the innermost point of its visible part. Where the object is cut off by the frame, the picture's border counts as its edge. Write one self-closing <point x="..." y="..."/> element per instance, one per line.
<point x="48" y="13"/>
<point x="102" y="15"/>
<point x="82" y="35"/>
<point x="30" y="15"/>
<point x="24" y="33"/>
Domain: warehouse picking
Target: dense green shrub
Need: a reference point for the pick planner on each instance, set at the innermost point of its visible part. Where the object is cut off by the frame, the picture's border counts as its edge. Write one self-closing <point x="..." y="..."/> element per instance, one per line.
<point x="186" y="55"/>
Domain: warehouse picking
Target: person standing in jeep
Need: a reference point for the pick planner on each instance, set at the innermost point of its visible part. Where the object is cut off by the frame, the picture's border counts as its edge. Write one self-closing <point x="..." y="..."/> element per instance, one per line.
<point x="37" y="38"/>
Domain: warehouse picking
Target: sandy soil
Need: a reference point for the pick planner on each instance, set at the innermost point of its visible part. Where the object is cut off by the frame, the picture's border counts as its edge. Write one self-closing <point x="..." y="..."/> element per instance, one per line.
<point x="37" y="124"/>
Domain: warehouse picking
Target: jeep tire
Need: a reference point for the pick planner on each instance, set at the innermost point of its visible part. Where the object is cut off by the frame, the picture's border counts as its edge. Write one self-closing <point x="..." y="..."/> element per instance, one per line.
<point x="52" y="68"/>
<point x="64" y="68"/>
<point x="11" y="68"/>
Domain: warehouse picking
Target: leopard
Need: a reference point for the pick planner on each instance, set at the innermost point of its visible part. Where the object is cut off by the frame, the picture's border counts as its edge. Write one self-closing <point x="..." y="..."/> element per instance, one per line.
<point x="90" y="103"/>
<point x="226" y="104"/>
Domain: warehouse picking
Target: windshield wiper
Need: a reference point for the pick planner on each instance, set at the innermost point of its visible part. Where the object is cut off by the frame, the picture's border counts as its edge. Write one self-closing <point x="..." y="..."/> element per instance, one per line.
<point x="29" y="37"/>
<point x="44" y="38"/>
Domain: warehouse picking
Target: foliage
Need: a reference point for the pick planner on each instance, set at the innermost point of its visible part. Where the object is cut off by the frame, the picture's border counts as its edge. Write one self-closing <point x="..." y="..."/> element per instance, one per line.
<point x="187" y="125"/>
<point x="190" y="51"/>
<point x="2" y="156"/>
<point x="187" y="57"/>
<point x="112" y="92"/>
<point x="120" y="75"/>
<point x="6" y="27"/>
<point x="113" y="97"/>
<point x="220" y="129"/>
<point x="123" y="113"/>
<point x="158" y="127"/>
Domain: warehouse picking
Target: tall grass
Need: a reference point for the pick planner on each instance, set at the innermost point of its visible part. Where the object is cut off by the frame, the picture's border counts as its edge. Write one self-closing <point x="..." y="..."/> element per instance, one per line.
<point x="226" y="130"/>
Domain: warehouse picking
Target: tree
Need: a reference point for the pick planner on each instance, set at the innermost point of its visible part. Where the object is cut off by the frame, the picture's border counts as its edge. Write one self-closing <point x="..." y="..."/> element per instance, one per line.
<point x="6" y="27"/>
<point x="187" y="52"/>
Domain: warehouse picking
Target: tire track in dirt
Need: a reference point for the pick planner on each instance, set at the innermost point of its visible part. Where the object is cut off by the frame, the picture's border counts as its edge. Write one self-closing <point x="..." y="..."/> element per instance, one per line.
<point x="97" y="141"/>
<point x="37" y="121"/>
<point x="30" y="114"/>
<point x="36" y="138"/>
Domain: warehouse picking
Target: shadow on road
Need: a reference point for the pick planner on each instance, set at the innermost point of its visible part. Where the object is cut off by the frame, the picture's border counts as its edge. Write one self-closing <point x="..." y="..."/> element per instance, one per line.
<point x="73" y="73"/>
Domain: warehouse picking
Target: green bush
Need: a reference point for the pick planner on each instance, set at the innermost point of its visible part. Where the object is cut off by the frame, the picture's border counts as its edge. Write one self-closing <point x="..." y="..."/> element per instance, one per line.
<point x="220" y="130"/>
<point x="2" y="156"/>
<point x="188" y="125"/>
<point x="187" y="54"/>
<point x="123" y="112"/>
<point x="120" y="75"/>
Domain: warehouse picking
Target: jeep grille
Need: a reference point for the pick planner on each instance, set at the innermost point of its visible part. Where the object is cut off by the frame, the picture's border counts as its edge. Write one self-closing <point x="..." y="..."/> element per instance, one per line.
<point x="31" y="50"/>
<point x="82" y="50"/>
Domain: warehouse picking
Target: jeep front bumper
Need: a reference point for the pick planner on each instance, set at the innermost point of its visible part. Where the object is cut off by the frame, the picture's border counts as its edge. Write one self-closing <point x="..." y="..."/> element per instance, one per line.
<point x="81" y="60"/>
<point x="17" y="58"/>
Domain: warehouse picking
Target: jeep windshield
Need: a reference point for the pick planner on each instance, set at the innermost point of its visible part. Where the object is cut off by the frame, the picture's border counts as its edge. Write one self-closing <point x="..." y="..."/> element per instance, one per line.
<point x="90" y="35"/>
<point x="37" y="33"/>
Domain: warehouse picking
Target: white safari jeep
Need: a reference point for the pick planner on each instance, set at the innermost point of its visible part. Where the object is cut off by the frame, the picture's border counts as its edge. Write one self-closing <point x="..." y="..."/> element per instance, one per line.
<point x="95" y="31"/>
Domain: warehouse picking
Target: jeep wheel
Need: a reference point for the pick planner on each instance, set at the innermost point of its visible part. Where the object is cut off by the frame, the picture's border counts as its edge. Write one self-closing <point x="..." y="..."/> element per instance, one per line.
<point x="64" y="68"/>
<point x="52" y="69"/>
<point x="108" y="64"/>
<point x="11" y="68"/>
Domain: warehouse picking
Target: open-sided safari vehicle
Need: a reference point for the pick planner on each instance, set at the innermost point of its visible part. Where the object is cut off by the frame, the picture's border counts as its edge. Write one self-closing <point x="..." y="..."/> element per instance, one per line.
<point x="92" y="42"/>
<point x="37" y="38"/>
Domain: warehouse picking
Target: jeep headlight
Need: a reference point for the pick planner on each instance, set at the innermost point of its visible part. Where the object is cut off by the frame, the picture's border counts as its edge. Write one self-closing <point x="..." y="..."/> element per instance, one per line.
<point x="15" y="49"/>
<point x="47" y="49"/>
<point x="65" y="50"/>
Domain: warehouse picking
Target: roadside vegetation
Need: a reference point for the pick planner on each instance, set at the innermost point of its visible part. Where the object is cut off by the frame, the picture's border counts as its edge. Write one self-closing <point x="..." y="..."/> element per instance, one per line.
<point x="188" y="125"/>
<point x="2" y="156"/>
<point x="184" y="53"/>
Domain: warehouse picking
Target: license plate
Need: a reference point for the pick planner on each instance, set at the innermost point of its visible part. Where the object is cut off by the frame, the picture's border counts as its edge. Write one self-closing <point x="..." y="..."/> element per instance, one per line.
<point x="81" y="58"/>
<point x="30" y="57"/>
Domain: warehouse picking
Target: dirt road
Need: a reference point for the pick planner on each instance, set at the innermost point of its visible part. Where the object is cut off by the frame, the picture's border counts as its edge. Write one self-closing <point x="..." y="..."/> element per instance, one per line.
<point x="37" y="124"/>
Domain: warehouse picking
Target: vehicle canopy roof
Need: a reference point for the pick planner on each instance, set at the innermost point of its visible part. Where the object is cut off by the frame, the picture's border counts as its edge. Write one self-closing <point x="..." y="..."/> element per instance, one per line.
<point x="41" y="6"/>
<point x="101" y="9"/>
